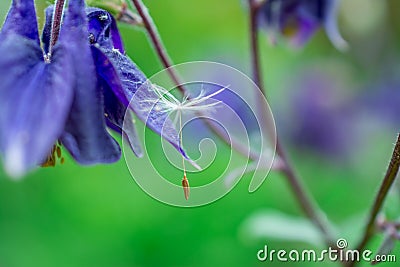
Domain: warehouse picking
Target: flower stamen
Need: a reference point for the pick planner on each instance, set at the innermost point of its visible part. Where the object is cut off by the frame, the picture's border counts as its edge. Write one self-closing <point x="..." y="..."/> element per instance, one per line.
<point x="185" y="182"/>
<point x="54" y="154"/>
<point x="186" y="187"/>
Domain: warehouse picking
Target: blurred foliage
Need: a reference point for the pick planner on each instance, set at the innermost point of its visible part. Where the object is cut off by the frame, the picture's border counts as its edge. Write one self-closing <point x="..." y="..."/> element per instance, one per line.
<point x="76" y="216"/>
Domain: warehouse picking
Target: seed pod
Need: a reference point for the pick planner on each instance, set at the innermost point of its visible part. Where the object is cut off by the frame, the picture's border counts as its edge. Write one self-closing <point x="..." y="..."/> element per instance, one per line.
<point x="186" y="187"/>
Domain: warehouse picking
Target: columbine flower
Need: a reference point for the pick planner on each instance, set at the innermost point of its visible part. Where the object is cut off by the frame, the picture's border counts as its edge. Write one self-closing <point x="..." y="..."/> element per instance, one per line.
<point x="68" y="92"/>
<point x="300" y="19"/>
<point x="381" y="101"/>
<point x="321" y="119"/>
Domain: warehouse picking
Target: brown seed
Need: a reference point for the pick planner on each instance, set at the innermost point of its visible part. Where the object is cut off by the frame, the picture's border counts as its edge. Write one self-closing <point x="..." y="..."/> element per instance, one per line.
<point x="50" y="161"/>
<point x="58" y="152"/>
<point x="186" y="187"/>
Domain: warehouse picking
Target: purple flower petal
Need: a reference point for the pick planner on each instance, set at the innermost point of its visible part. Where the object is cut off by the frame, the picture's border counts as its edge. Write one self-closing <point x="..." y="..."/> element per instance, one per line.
<point x="116" y="37"/>
<point x="35" y="98"/>
<point x="331" y="26"/>
<point x="124" y="78"/>
<point x="85" y="134"/>
<point x="46" y="34"/>
<point x="298" y="20"/>
<point x="130" y="134"/>
<point x="21" y="20"/>
<point x="306" y="27"/>
<point x="116" y="112"/>
<point x="115" y="101"/>
<point x="103" y="28"/>
<point x="144" y="102"/>
<point x="106" y="70"/>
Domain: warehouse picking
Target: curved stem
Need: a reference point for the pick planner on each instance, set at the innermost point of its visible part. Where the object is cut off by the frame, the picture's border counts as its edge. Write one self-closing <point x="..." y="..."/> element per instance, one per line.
<point x="255" y="51"/>
<point x="387" y="183"/>
<point x="167" y="63"/>
<point x="306" y="202"/>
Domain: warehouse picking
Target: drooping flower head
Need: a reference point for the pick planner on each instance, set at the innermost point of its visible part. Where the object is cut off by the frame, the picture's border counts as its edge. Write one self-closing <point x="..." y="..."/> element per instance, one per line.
<point x="71" y="91"/>
<point x="298" y="20"/>
<point x="35" y="96"/>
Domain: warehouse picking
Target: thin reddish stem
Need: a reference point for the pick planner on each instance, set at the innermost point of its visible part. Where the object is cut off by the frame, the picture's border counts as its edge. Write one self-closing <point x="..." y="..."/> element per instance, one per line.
<point x="56" y="23"/>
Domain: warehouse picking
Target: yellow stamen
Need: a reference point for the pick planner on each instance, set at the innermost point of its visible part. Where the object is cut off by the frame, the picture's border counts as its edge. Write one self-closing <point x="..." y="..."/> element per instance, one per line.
<point x="291" y="29"/>
<point x="54" y="154"/>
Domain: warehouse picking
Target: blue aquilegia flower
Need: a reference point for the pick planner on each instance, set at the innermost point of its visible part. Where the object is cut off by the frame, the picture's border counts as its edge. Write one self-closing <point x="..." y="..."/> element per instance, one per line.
<point x="69" y="92"/>
<point x="298" y="20"/>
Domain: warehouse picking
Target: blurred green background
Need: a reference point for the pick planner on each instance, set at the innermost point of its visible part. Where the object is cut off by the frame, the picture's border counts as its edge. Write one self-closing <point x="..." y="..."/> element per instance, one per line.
<point x="97" y="216"/>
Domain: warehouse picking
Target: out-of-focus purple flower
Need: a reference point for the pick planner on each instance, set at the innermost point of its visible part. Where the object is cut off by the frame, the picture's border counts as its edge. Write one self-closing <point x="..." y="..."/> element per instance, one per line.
<point x="318" y="119"/>
<point x="298" y="20"/>
<point x="382" y="101"/>
<point x="69" y="93"/>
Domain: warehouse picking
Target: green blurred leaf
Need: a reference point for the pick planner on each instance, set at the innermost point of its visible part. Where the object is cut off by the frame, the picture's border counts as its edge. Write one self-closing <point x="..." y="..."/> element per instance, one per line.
<point x="392" y="205"/>
<point x="283" y="227"/>
<point x="386" y="247"/>
<point x="352" y="228"/>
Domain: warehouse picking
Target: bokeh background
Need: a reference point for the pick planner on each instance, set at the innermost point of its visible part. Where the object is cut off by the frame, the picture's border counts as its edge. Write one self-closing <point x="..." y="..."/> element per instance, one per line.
<point x="338" y="114"/>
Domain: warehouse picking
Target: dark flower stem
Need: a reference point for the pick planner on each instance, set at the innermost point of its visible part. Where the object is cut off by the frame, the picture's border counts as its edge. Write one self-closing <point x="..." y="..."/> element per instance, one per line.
<point x="305" y="200"/>
<point x="255" y="51"/>
<point x="56" y="23"/>
<point x="167" y="63"/>
<point x="387" y="183"/>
